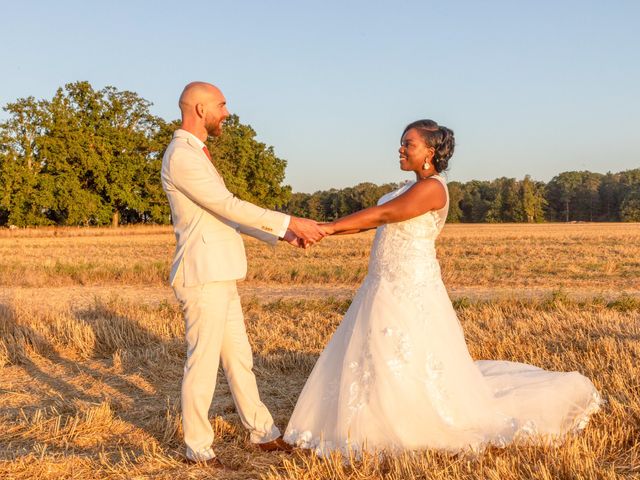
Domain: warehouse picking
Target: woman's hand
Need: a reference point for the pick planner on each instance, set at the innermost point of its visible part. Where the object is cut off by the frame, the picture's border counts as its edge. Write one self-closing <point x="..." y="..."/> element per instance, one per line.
<point x="328" y="228"/>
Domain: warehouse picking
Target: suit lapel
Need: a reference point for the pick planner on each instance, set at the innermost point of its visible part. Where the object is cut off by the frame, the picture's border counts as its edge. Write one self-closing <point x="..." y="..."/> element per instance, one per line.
<point x="198" y="150"/>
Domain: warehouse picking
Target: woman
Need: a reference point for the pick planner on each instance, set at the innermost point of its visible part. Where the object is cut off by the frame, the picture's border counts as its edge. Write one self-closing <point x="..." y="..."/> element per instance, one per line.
<point x="397" y="374"/>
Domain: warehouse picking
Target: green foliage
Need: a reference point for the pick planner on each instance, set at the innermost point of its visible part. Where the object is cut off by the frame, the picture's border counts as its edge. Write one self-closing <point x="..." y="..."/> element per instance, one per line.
<point x="574" y="196"/>
<point x="93" y="157"/>
<point x="533" y="201"/>
<point x="456" y="193"/>
<point x="250" y="169"/>
<point x="85" y="157"/>
<point x="630" y="207"/>
<point x="477" y="201"/>
<point x="581" y="196"/>
<point x="331" y="204"/>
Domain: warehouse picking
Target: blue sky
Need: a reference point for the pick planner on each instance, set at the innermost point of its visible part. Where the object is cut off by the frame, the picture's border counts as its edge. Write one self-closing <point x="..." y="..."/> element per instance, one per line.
<point x="529" y="87"/>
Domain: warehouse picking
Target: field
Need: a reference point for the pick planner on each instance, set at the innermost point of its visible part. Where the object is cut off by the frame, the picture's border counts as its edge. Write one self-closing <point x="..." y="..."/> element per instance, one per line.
<point x="91" y="348"/>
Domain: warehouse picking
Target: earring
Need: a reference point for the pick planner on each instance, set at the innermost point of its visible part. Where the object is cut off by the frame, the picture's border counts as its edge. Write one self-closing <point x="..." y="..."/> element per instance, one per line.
<point x="426" y="166"/>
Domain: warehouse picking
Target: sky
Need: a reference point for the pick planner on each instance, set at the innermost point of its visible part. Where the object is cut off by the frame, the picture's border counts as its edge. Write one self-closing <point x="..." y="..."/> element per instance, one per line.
<point x="529" y="87"/>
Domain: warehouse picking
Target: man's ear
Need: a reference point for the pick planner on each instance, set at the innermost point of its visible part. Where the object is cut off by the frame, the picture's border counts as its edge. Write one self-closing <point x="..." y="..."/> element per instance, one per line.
<point x="199" y="110"/>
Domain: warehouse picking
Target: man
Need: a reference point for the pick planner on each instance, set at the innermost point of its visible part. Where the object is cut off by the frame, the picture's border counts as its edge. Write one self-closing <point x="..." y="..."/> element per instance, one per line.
<point x="209" y="258"/>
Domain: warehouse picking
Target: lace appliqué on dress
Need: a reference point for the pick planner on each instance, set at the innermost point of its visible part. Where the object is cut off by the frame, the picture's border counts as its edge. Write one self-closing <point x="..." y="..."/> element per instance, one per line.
<point x="434" y="385"/>
<point x="401" y="349"/>
<point x="363" y="376"/>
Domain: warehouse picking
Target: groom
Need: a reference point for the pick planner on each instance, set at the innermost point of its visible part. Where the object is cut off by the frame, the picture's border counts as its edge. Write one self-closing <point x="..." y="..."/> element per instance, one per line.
<point x="209" y="258"/>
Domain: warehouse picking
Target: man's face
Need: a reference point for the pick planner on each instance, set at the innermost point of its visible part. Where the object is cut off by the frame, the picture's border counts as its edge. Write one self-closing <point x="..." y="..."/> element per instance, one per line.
<point x="216" y="113"/>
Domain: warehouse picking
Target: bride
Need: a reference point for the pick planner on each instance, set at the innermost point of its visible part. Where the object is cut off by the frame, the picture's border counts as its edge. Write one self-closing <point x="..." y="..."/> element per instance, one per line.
<point x="397" y="374"/>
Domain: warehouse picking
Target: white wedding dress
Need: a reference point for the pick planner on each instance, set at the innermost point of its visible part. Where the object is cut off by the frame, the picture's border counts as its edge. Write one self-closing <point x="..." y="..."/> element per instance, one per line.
<point x="397" y="374"/>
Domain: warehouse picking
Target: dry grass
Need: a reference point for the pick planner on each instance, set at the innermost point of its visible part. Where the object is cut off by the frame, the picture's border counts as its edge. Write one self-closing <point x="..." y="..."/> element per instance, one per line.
<point x="551" y="256"/>
<point x="94" y="393"/>
<point x="91" y="390"/>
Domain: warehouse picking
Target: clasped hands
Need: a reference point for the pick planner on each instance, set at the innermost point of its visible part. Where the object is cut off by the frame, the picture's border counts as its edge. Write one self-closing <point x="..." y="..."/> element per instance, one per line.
<point x="303" y="232"/>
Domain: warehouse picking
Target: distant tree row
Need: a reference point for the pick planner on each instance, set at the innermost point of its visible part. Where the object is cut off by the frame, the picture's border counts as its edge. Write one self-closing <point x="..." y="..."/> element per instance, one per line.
<point x="331" y="204"/>
<point x="93" y="157"/>
<point x="570" y="196"/>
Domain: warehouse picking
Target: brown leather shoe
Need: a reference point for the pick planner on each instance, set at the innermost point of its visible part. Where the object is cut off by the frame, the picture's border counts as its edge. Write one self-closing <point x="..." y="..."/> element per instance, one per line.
<point x="275" y="445"/>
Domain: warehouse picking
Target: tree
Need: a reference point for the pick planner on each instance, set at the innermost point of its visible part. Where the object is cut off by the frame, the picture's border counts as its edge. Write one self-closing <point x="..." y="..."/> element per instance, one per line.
<point x="506" y="205"/>
<point x="609" y="192"/>
<point x="574" y="196"/>
<point x="86" y="157"/>
<point x="628" y="192"/>
<point x="298" y="205"/>
<point x="587" y="198"/>
<point x="630" y="207"/>
<point x="315" y="208"/>
<point x="250" y="169"/>
<point x="561" y="192"/>
<point x="478" y="200"/>
<point x="533" y="201"/>
<point x="455" y="196"/>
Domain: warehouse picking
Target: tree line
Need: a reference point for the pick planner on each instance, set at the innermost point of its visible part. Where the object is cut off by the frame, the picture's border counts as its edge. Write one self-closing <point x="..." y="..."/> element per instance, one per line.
<point x="93" y="157"/>
<point x="570" y="196"/>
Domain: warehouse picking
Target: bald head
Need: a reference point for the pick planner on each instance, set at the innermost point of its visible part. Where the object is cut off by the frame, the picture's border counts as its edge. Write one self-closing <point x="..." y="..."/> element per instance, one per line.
<point x="203" y="107"/>
<point x="198" y="92"/>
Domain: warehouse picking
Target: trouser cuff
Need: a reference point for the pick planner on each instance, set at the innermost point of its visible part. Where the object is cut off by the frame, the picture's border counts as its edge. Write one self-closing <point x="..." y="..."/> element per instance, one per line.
<point x="264" y="437"/>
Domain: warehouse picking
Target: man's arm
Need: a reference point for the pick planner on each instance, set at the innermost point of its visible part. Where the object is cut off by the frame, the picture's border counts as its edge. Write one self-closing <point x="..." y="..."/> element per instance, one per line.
<point x="261" y="235"/>
<point x="193" y="178"/>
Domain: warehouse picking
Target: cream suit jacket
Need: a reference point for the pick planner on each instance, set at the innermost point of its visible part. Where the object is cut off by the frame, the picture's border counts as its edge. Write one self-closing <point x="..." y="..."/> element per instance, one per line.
<point x="207" y="218"/>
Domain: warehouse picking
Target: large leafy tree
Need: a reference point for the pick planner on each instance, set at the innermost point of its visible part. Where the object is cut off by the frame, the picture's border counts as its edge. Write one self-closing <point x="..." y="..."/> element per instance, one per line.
<point x="85" y="157"/>
<point x="93" y="157"/>
<point x="251" y="169"/>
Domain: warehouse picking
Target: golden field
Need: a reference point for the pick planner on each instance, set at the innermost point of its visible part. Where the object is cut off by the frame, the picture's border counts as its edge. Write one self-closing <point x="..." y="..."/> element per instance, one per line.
<point x="91" y="348"/>
<point x="602" y="258"/>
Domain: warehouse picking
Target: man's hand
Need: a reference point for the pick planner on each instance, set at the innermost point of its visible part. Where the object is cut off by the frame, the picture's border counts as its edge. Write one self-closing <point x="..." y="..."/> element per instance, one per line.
<point x="308" y="231"/>
<point x="292" y="239"/>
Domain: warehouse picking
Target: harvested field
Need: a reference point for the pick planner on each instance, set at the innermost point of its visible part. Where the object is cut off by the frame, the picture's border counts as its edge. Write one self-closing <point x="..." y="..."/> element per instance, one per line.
<point x="91" y="348"/>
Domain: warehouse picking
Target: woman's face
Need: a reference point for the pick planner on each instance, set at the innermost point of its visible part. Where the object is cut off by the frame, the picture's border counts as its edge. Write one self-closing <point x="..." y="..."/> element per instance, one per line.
<point x="414" y="151"/>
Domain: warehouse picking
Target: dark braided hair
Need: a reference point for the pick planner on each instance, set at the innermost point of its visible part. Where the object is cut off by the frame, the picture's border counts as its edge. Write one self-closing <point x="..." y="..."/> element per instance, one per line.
<point x="436" y="136"/>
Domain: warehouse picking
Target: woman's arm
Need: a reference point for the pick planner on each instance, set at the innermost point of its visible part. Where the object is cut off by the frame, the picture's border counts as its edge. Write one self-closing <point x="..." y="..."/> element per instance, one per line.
<point x="424" y="196"/>
<point x="329" y="230"/>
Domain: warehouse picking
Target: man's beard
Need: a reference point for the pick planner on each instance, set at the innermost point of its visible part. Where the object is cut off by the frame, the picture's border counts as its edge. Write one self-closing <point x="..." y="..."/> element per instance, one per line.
<point x="214" y="129"/>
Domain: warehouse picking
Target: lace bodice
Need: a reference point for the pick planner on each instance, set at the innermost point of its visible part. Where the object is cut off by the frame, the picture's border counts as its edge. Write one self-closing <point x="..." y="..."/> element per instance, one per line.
<point x="405" y="251"/>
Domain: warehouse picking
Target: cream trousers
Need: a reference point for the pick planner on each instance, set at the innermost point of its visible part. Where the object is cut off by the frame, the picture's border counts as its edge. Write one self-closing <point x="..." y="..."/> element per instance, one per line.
<point x="215" y="332"/>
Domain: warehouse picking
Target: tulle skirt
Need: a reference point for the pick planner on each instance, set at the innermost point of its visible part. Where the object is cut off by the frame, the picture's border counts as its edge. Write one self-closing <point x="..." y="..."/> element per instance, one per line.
<point x="397" y="375"/>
